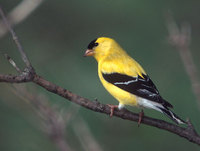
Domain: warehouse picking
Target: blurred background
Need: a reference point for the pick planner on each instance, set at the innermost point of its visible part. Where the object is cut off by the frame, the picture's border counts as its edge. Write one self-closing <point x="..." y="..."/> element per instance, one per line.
<point x="55" y="35"/>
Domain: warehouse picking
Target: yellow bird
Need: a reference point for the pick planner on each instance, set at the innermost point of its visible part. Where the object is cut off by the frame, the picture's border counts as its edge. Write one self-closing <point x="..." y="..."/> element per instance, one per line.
<point x="125" y="79"/>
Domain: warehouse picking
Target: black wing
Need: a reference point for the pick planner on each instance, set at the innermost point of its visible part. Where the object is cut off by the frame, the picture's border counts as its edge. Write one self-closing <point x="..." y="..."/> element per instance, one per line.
<point x="142" y="87"/>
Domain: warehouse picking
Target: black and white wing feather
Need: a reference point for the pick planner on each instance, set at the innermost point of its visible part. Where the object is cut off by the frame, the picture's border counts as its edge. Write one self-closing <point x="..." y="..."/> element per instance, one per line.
<point x="139" y="86"/>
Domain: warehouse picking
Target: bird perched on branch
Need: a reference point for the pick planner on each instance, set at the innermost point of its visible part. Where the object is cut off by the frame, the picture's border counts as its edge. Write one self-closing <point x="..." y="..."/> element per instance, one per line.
<point x="125" y="79"/>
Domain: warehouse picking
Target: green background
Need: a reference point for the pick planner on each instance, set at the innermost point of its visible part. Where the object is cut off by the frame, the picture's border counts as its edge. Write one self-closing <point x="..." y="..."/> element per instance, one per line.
<point x="55" y="37"/>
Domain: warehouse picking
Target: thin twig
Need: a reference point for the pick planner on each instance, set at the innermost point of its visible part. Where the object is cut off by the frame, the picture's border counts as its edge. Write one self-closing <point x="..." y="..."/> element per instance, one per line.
<point x="19" y="13"/>
<point x="180" y="38"/>
<point x="86" y="138"/>
<point x="12" y="63"/>
<point x="52" y="121"/>
<point x="16" y="40"/>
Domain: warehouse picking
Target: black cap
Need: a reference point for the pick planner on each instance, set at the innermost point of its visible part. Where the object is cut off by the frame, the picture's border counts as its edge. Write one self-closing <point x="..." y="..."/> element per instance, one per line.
<point x="92" y="44"/>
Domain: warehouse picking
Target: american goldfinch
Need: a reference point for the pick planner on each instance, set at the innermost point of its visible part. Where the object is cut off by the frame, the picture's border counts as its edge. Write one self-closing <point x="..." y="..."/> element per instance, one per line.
<point x="125" y="79"/>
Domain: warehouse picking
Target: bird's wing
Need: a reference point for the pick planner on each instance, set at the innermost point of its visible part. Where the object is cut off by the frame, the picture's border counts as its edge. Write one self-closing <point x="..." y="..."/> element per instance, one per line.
<point x="139" y="86"/>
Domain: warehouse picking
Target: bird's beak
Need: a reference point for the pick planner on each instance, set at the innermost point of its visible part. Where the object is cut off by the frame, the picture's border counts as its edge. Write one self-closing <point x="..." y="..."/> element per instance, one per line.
<point x="89" y="52"/>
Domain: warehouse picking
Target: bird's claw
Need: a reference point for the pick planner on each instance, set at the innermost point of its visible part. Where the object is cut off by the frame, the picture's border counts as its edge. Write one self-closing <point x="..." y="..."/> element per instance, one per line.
<point x="112" y="108"/>
<point x="141" y="114"/>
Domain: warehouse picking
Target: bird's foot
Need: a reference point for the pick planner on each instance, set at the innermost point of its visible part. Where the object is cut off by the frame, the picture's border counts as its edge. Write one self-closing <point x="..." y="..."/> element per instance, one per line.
<point x="141" y="114"/>
<point x="112" y="108"/>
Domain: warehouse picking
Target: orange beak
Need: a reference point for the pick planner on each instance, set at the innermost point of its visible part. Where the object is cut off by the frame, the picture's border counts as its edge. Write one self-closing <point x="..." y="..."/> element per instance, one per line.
<point x="89" y="52"/>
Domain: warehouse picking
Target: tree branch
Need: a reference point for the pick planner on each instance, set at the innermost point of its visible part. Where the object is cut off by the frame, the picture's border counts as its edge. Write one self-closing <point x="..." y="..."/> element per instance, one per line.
<point x="189" y="133"/>
<point x="15" y="78"/>
<point x="29" y="75"/>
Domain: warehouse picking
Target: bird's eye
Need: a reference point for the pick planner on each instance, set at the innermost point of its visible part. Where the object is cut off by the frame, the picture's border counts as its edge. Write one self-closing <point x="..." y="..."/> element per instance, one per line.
<point x="92" y="44"/>
<point x="95" y="44"/>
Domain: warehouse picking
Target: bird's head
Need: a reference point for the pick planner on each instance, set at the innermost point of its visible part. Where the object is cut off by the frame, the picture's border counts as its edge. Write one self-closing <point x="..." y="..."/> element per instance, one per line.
<point x="101" y="47"/>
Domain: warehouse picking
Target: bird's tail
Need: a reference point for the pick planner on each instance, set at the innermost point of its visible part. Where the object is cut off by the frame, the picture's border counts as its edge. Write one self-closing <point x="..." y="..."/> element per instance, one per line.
<point x="172" y="115"/>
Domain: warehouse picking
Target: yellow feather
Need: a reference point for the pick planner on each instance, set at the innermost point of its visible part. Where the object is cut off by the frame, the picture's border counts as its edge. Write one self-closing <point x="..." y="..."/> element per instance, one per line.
<point x="112" y="58"/>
